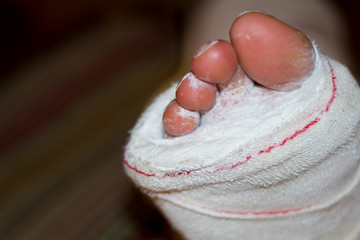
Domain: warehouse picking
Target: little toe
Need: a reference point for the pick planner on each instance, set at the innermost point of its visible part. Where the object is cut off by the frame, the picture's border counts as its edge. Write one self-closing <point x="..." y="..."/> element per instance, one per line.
<point x="178" y="121"/>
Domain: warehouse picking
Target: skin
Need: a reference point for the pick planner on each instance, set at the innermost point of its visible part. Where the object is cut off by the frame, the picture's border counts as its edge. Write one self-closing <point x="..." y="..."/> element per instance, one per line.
<point x="268" y="51"/>
<point x="217" y="64"/>
<point x="178" y="120"/>
<point x="271" y="52"/>
<point x="195" y="94"/>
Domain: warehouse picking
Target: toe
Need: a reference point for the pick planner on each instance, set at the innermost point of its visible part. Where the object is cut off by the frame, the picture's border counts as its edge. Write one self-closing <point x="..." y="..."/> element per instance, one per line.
<point x="271" y="52"/>
<point x="179" y="121"/>
<point x="215" y="62"/>
<point x="195" y="94"/>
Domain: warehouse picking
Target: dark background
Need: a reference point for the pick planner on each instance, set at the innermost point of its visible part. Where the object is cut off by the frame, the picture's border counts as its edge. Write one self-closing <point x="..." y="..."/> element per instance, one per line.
<point x="74" y="77"/>
<point x="31" y="27"/>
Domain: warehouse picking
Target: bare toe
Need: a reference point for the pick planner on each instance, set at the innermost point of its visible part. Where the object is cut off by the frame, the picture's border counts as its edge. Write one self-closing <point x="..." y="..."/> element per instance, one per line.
<point x="179" y="121"/>
<point x="271" y="52"/>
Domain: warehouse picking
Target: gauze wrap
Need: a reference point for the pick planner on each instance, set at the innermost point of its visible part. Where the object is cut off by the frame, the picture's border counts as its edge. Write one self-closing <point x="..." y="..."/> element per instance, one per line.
<point x="284" y="166"/>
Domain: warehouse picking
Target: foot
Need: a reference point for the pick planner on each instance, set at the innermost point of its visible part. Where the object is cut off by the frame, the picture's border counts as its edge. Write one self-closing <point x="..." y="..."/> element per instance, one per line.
<point x="266" y="50"/>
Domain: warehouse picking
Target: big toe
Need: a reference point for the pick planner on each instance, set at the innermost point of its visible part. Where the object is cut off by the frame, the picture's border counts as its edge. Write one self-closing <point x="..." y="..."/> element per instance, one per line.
<point x="271" y="52"/>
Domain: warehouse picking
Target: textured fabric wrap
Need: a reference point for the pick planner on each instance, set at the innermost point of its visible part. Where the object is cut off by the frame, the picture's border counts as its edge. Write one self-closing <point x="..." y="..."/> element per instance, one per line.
<point x="291" y="172"/>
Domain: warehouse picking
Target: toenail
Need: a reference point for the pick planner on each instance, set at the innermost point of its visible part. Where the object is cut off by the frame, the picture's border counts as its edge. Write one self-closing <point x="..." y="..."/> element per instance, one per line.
<point x="195" y="82"/>
<point x="203" y="48"/>
<point x="250" y="11"/>
<point x="188" y="75"/>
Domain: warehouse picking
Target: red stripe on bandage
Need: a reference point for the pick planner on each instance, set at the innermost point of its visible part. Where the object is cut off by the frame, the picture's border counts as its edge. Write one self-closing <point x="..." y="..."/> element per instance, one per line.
<point x="269" y="212"/>
<point x="137" y="170"/>
<point x="241" y="213"/>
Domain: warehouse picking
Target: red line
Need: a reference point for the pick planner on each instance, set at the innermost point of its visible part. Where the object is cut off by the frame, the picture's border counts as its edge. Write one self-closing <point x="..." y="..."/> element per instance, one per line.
<point x="258" y="213"/>
<point x="136" y="170"/>
<point x="261" y="213"/>
<point x="266" y="150"/>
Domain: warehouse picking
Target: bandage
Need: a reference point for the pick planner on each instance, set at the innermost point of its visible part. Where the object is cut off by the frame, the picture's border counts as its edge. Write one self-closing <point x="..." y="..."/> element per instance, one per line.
<point x="285" y="165"/>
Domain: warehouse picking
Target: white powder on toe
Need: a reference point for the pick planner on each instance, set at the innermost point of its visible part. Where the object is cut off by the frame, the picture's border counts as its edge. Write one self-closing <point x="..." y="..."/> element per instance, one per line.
<point x="187" y="114"/>
<point x="194" y="82"/>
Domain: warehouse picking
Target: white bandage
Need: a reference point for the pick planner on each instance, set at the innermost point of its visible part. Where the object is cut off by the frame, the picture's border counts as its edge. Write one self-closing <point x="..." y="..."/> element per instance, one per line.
<point x="282" y="167"/>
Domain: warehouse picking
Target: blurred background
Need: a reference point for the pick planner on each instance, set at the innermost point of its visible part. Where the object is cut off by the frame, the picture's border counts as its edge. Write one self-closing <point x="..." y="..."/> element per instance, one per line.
<point x="74" y="77"/>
